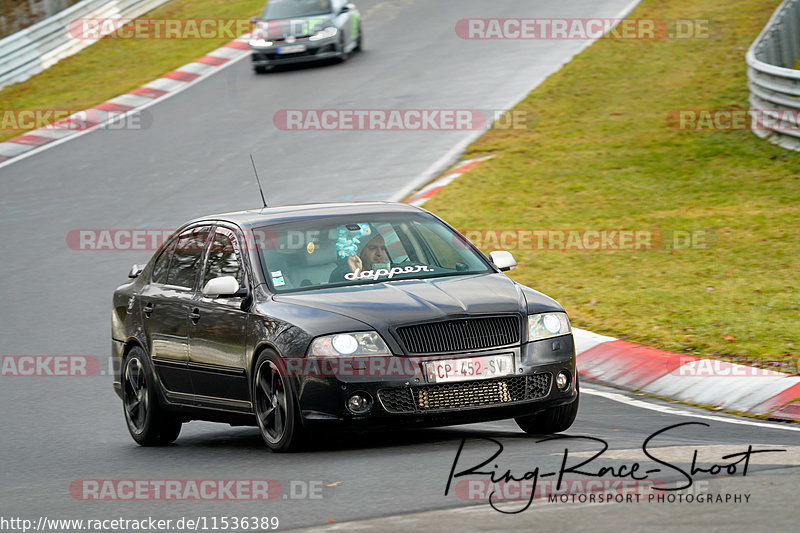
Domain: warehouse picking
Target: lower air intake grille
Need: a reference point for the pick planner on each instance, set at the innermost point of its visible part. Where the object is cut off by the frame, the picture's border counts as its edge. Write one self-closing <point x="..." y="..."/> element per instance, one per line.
<point x="465" y="394"/>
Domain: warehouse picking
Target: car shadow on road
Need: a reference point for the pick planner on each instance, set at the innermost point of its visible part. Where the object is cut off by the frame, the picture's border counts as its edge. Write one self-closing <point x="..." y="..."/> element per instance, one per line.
<point x="250" y="438"/>
<point x="311" y="65"/>
<point x="297" y="67"/>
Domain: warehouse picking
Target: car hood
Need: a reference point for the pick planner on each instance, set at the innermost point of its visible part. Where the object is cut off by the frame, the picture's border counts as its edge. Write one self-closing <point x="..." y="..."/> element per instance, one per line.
<point x="388" y="304"/>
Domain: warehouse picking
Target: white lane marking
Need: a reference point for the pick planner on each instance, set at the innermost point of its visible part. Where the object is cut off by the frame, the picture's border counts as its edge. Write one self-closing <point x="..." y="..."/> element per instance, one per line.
<point x="680" y="412"/>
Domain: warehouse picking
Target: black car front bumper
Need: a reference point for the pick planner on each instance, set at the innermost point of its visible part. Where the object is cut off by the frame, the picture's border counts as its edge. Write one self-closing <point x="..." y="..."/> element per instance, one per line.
<point x="267" y="57"/>
<point x="413" y="401"/>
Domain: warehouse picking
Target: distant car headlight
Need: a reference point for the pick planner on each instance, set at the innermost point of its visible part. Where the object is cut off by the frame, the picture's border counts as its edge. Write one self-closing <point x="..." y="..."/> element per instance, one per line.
<point x="546" y="325"/>
<point x="327" y="33"/>
<point x="359" y="343"/>
<point x="260" y="43"/>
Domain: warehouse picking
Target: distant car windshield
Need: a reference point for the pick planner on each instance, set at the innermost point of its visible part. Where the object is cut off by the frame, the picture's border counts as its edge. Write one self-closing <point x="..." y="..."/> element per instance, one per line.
<point x="283" y="9"/>
<point x="349" y="250"/>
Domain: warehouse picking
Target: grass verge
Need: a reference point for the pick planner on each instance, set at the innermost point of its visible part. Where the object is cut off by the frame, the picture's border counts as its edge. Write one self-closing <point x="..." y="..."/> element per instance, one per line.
<point x="603" y="157"/>
<point x="111" y="67"/>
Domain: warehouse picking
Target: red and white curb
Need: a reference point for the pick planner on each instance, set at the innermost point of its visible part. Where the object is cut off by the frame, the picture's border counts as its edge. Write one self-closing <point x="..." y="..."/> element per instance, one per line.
<point x="117" y="108"/>
<point x="687" y="378"/>
<point x="427" y="192"/>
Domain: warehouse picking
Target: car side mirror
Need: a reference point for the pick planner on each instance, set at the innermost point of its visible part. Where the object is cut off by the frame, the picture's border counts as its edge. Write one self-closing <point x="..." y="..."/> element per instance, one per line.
<point x="346" y="8"/>
<point x="254" y="20"/>
<point x="503" y="260"/>
<point x="135" y="271"/>
<point x="221" y="286"/>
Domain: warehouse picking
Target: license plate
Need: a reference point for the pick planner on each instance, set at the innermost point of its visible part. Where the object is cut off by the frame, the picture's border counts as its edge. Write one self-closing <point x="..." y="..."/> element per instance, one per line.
<point x="469" y="368"/>
<point x="292" y="49"/>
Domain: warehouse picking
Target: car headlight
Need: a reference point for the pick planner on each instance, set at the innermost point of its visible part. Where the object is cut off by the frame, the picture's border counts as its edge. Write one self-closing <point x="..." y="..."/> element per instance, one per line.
<point x="260" y="43"/>
<point x="359" y="343"/>
<point x="327" y="33"/>
<point x="546" y="325"/>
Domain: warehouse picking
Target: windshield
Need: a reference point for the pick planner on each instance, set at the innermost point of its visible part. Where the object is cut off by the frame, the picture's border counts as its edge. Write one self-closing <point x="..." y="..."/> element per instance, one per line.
<point x="282" y="9"/>
<point x="338" y="251"/>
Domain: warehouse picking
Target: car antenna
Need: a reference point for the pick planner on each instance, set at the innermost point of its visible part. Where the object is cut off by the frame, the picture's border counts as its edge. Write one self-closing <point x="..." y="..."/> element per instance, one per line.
<point x="258" y="181"/>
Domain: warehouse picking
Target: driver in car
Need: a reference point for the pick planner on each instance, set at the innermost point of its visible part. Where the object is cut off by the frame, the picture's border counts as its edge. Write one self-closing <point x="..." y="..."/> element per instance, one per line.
<point x="372" y="256"/>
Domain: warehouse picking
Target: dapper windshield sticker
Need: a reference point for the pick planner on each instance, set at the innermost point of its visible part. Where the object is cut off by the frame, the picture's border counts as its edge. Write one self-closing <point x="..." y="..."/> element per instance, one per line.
<point x="278" y="281"/>
<point x="277" y="274"/>
<point x="389" y="273"/>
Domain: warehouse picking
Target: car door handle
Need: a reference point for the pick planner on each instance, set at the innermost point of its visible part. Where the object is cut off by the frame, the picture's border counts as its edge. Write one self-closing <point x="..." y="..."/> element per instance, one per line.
<point x="148" y="309"/>
<point x="195" y="316"/>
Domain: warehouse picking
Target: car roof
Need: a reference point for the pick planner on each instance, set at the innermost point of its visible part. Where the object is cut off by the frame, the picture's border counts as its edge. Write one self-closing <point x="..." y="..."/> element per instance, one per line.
<point x="267" y="215"/>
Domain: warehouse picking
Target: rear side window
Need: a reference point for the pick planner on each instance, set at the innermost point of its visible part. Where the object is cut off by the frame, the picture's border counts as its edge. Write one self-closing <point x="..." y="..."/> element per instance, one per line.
<point x="187" y="256"/>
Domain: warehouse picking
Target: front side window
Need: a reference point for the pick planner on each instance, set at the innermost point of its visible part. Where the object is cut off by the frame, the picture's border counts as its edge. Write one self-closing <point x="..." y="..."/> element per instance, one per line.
<point x="339" y="251"/>
<point x="223" y="257"/>
<point x="187" y="256"/>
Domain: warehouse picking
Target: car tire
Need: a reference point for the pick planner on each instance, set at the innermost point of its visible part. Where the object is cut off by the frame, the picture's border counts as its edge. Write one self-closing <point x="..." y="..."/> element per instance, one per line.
<point x="275" y="405"/>
<point x="360" y="40"/>
<point x="147" y="422"/>
<point x="551" y="420"/>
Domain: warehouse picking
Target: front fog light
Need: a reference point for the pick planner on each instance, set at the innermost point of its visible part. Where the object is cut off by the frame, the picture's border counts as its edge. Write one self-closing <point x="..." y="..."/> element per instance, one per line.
<point x="358" y="403"/>
<point x="562" y="380"/>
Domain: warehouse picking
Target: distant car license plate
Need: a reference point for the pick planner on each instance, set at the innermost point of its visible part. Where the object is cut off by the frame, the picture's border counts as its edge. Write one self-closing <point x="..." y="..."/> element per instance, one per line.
<point x="469" y="368"/>
<point x="292" y="49"/>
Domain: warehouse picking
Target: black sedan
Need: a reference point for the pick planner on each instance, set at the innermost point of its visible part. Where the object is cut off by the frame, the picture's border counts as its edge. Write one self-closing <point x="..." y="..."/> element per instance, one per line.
<point x="304" y="318"/>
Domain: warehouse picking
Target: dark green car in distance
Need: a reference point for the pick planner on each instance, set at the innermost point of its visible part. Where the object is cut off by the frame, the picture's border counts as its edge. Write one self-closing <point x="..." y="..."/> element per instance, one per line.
<point x="299" y="31"/>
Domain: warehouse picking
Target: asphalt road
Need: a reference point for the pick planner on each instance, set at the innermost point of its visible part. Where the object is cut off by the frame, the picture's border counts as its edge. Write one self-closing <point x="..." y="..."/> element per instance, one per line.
<point x="193" y="159"/>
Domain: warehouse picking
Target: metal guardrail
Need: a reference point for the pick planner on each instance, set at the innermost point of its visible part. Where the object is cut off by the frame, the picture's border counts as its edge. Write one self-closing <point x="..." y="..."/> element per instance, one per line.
<point x="774" y="83"/>
<point x="34" y="49"/>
